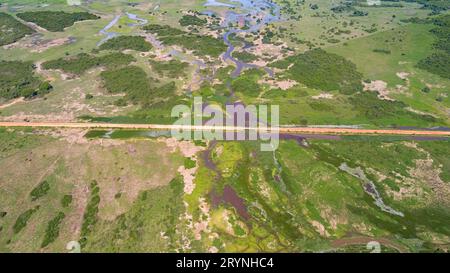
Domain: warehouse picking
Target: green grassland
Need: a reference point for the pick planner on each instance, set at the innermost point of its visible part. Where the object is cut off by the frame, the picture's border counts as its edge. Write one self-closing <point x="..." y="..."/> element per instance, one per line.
<point x="124" y="191"/>
<point x="408" y="46"/>
<point x="42" y="222"/>
<point x="139" y="229"/>
<point x="297" y="198"/>
<point x="362" y="50"/>
<point x="85" y="36"/>
<point x="323" y="27"/>
<point x="315" y="202"/>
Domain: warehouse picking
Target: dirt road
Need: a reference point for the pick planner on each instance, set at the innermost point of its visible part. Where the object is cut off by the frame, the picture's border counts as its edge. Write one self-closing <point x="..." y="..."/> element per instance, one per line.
<point x="284" y="130"/>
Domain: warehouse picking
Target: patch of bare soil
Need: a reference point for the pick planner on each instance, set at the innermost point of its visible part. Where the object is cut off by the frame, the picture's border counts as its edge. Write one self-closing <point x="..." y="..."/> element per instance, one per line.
<point x="43" y="72"/>
<point x="188" y="178"/>
<point x="37" y="44"/>
<point x="380" y="87"/>
<point x="36" y="27"/>
<point x="203" y="225"/>
<point x="80" y="195"/>
<point x="261" y="50"/>
<point x="283" y="85"/>
<point x="57" y="117"/>
<point x="187" y="148"/>
<point x="72" y="136"/>
<point x="403" y="75"/>
<point x="320" y="228"/>
<point x="11" y="103"/>
<point x="426" y="172"/>
<point x="420" y="112"/>
<point x="326" y="96"/>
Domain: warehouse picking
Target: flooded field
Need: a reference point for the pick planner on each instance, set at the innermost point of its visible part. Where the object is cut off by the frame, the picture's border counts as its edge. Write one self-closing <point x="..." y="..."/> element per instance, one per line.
<point x="125" y="134"/>
<point x="230" y="197"/>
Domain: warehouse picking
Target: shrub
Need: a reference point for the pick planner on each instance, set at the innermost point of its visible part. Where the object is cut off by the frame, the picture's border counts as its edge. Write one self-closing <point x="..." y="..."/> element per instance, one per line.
<point x="189" y="163"/>
<point x="66" y="201"/>
<point x="90" y="214"/>
<point x="40" y="190"/>
<point x="200" y="44"/>
<point x="23" y="219"/>
<point x="384" y="51"/>
<point x="121" y="102"/>
<point x="52" y="231"/>
<point x="426" y="89"/>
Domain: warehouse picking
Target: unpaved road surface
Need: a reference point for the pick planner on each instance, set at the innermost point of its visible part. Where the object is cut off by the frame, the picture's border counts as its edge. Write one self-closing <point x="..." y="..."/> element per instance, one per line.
<point x="282" y="130"/>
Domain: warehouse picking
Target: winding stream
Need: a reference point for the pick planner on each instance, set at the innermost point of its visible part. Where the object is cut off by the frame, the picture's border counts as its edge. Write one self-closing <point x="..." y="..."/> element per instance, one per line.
<point x="109" y="35"/>
<point x="370" y="188"/>
<point x="105" y="30"/>
<point x="267" y="12"/>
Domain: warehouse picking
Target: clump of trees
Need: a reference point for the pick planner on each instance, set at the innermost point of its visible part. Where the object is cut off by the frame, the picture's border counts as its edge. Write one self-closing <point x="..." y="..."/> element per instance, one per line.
<point x="11" y="30"/>
<point x="82" y="62"/>
<point x="172" y="69"/>
<point x="131" y="80"/>
<point x="52" y="231"/>
<point x="201" y="45"/>
<point x="247" y="83"/>
<point x="322" y="70"/>
<point x="163" y="30"/>
<point x="192" y="20"/>
<point x="90" y="214"/>
<point x="369" y="105"/>
<point x="55" y="20"/>
<point x="17" y="80"/>
<point x="439" y="61"/>
<point x="245" y="56"/>
<point x="22" y="220"/>
<point x="40" y="190"/>
<point x="137" y="86"/>
<point x="137" y="43"/>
